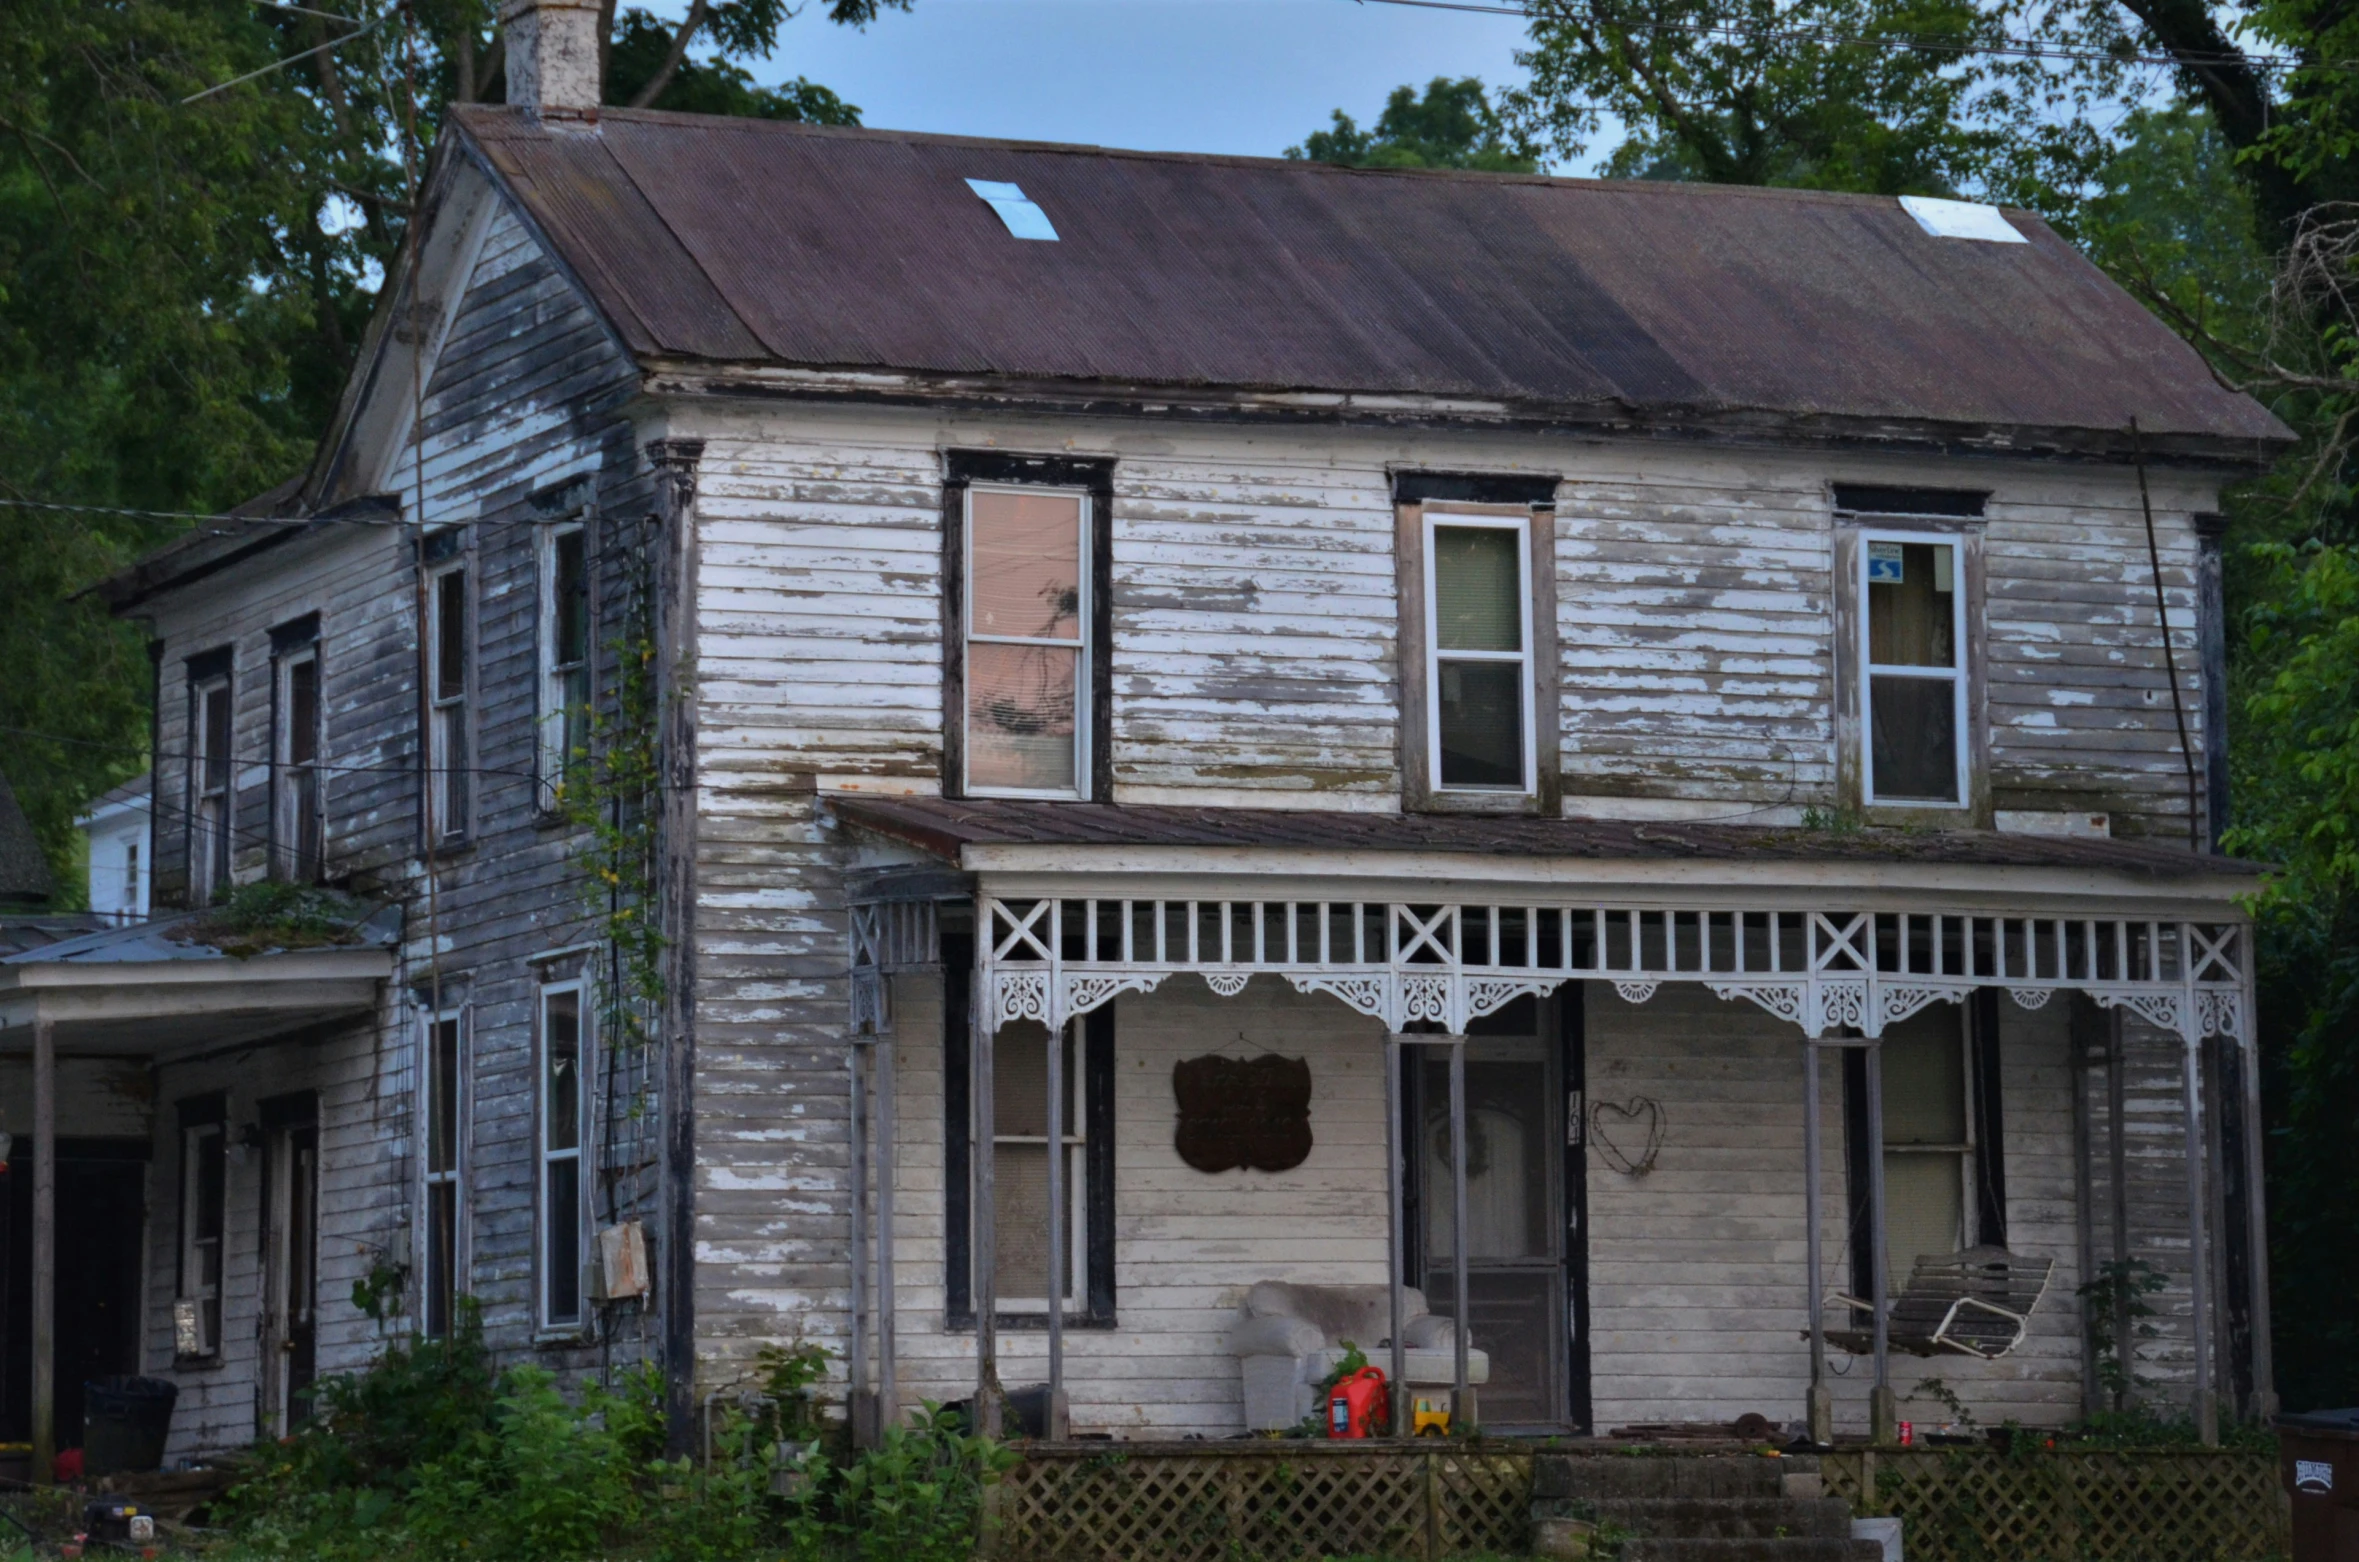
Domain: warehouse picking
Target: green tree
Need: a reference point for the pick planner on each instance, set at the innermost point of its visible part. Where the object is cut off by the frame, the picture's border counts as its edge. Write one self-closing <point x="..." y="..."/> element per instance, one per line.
<point x="1454" y="125"/>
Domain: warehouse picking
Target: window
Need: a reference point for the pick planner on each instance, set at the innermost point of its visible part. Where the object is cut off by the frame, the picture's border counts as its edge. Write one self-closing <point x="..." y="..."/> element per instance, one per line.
<point x="296" y="743"/>
<point x="565" y="654"/>
<point x="1479" y="631"/>
<point x="1027" y="652"/>
<point x="204" y="1170"/>
<point x="212" y="778"/>
<point x="448" y="646"/>
<point x="1020" y="1150"/>
<point x="1912" y="645"/>
<point x="563" y="1112"/>
<point x="1944" y="1187"/>
<point x="1020" y="1161"/>
<point x="446" y="1151"/>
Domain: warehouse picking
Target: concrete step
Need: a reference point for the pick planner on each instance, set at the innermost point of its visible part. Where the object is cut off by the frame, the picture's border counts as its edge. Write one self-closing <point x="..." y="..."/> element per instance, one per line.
<point x="1598" y="1477"/>
<point x="1790" y="1549"/>
<point x="1728" y="1518"/>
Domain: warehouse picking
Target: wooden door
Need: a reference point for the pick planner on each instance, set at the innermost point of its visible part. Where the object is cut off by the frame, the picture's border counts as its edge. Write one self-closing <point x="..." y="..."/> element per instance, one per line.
<point x="291" y="1311"/>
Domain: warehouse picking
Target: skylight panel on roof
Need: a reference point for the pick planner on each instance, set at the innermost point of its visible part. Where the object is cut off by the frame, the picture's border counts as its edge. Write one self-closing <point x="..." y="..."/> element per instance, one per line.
<point x="1023" y="216"/>
<point x="1961" y="220"/>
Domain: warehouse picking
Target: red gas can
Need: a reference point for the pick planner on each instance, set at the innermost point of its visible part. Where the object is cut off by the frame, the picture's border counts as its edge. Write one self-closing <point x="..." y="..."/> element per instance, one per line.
<point x="1357" y="1405"/>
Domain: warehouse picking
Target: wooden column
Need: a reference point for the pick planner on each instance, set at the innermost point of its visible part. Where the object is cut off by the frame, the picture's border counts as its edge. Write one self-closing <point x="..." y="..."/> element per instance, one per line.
<point x="984" y="1116"/>
<point x="2264" y="1367"/>
<point x="44" y="1252"/>
<point x="2206" y="1407"/>
<point x="1883" y="1411"/>
<point x="864" y="1418"/>
<point x="1053" y="1421"/>
<point x="887" y="1379"/>
<point x="1819" y="1408"/>
<point x="1396" y="1251"/>
<point x="1461" y="1409"/>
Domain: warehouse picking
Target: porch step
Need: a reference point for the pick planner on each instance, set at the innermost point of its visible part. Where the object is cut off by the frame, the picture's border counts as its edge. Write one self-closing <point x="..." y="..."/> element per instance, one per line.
<point x="1729" y="1518"/>
<point x="1603" y="1477"/>
<point x="1789" y="1549"/>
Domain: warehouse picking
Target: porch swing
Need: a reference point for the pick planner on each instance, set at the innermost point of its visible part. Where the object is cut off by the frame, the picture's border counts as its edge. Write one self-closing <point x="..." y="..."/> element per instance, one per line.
<point x="1975" y="1303"/>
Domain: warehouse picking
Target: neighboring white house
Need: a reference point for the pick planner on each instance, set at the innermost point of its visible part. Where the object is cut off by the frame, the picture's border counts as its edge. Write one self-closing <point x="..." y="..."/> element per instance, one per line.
<point x="119" y="859"/>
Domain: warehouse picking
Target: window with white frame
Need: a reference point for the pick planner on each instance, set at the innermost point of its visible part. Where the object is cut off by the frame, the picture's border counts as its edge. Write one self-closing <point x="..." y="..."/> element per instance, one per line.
<point x="212" y="774"/>
<point x="563" y="1113"/>
<point x="449" y="640"/>
<point x="565" y="654"/>
<point x="1479" y="638"/>
<point x="1027" y="653"/>
<point x="446" y="1168"/>
<point x="1912" y="649"/>
<point x="1020" y="1162"/>
<point x="204" y="1174"/>
<point x="296" y="820"/>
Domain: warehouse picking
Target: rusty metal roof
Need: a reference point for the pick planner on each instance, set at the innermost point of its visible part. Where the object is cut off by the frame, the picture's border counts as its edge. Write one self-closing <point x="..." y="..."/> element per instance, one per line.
<point x="744" y="242"/>
<point x="944" y="826"/>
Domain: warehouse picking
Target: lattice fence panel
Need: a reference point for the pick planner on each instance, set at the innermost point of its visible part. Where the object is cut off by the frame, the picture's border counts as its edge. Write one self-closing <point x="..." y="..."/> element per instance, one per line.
<point x="1971" y="1505"/>
<point x="1261" y="1503"/>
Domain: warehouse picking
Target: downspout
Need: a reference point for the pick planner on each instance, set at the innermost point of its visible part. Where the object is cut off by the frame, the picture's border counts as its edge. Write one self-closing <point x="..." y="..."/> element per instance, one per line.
<point x="2162" y="617"/>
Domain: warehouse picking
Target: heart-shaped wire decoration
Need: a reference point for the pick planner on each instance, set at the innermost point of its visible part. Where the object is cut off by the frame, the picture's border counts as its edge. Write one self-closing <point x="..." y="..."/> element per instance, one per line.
<point x="1627" y="1117"/>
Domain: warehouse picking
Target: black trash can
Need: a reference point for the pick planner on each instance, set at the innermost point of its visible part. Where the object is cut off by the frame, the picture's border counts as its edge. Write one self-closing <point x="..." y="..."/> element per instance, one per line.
<point x="124" y="1424"/>
<point x="2319" y="1452"/>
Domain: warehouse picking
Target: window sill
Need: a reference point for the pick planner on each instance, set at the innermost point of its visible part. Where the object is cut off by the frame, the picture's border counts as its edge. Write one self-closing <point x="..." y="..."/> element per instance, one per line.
<point x="570" y="1337"/>
<point x="1474" y="803"/>
<point x="207" y="1362"/>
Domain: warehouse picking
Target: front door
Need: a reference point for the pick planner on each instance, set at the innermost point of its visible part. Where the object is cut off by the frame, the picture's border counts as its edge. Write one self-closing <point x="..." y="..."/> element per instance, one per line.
<point x="1520" y="1288"/>
<point x="290" y="1312"/>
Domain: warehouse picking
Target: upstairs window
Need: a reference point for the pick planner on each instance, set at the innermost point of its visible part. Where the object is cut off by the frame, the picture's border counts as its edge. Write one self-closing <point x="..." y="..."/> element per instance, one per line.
<point x="1479" y="634"/>
<point x="1912" y="646"/>
<point x="212" y="777"/>
<point x="449" y="647"/>
<point x="1027" y="727"/>
<point x="565" y="655"/>
<point x="297" y="827"/>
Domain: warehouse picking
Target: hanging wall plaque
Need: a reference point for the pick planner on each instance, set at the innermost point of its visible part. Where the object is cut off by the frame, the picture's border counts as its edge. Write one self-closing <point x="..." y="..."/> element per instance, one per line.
<point x="1243" y="1112"/>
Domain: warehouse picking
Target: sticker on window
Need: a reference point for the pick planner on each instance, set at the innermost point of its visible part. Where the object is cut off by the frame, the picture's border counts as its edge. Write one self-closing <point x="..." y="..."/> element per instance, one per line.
<point x="2313" y="1475"/>
<point x="1884" y="566"/>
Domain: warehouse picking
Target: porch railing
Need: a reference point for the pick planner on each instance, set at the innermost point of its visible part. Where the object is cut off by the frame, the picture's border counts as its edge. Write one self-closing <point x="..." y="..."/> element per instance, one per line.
<point x="1250" y="1501"/>
<point x="2071" y="1505"/>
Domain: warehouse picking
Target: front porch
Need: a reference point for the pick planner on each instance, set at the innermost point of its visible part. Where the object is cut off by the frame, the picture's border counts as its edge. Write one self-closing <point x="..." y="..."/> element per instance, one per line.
<point x="1600" y="1070"/>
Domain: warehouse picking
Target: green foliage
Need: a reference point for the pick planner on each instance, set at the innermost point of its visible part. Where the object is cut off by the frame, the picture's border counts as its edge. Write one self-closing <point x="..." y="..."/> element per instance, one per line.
<point x="786" y="1374"/>
<point x="917" y="1497"/>
<point x="1889" y="96"/>
<point x="1452" y="126"/>
<point x="272" y="914"/>
<point x="2115" y="1295"/>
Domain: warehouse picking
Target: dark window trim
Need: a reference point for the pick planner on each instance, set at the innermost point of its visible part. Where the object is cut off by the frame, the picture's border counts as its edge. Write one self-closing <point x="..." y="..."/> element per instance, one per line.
<point x="205" y="666"/>
<point x="1572" y="1023"/>
<point x="1536" y="490"/>
<point x="1097" y="1105"/>
<point x="1883" y="499"/>
<point x="295" y="634"/>
<point x="1855" y="1177"/>
<point x="1094" y="474"/>
<point x="296" y="1109"/>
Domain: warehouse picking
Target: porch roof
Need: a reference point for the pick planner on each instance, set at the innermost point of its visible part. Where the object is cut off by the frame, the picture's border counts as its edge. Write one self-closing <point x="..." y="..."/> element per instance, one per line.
<point x="1008" y="835"/>
<point x="162" y="986"/>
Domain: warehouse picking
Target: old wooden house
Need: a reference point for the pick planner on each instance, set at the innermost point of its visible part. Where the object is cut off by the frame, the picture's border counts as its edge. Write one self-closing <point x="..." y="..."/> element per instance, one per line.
<point x="1608" y="790"/>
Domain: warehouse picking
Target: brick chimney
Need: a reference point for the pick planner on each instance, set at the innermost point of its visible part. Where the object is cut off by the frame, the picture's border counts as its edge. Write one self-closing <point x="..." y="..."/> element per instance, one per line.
<point x="552" y="56"/>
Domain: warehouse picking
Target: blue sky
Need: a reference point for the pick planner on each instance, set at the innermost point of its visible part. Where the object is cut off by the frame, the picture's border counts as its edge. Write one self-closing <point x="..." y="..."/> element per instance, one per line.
<point x="1239" y="76"/>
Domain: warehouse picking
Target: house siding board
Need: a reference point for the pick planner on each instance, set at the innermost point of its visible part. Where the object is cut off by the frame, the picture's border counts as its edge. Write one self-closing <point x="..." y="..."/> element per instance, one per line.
<point x="2154" y="1131"/>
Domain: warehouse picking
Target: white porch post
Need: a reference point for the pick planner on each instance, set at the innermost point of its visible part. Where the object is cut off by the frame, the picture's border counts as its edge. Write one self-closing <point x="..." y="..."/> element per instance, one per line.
<point x="984" y="1118"/>
<point x="887" y="1388"/>
<point x="44" y="1250"/>
<point x="856" y="1364"/>
<point x="1883" y="1411"/>
<point x="2206" y="1407"/>
<point x="1396" y="1250"/>
<point x="1054" y="1422"/>
<point x="1461" y="1418"/>
<point x="1819" y="1410"/>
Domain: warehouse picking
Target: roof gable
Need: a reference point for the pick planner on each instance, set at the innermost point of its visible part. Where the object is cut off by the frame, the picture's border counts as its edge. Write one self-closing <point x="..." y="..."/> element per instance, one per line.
<point x="747" y="242"/>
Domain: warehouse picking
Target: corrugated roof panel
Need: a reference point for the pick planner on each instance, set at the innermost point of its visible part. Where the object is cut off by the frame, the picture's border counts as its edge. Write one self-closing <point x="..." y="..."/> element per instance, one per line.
<point x="747" y="241"/>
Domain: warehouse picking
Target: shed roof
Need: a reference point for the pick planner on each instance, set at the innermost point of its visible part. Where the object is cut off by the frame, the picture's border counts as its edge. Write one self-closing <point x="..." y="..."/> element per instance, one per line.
<point x="744" y="242"/>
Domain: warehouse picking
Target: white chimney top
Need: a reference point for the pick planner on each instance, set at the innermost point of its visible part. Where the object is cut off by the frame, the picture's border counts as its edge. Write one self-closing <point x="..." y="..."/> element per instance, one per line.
<point x="552" y="57"/>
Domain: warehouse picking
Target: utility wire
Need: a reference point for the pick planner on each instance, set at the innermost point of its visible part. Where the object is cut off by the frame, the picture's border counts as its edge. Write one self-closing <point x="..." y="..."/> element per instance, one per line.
<point x="292" y="59"/>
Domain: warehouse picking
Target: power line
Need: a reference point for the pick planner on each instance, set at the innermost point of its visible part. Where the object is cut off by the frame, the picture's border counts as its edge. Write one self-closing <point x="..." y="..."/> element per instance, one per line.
<point x="60" y="507"/>
<point x="1893" y="43"/>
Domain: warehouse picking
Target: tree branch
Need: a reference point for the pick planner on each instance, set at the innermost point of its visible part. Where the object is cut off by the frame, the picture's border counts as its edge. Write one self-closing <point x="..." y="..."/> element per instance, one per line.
<point x="662" y="78"/>
<point x="1720" y="165"/>
<point x="2238" y="96"/>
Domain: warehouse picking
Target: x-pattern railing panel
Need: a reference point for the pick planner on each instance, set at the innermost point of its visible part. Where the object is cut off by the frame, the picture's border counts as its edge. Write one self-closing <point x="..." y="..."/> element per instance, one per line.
<point x="1446" y="962"/>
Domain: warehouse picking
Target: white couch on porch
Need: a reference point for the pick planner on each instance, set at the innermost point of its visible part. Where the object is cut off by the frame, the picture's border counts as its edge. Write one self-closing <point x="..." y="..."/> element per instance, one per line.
<point x="1287" y="1337"/>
